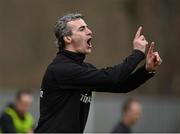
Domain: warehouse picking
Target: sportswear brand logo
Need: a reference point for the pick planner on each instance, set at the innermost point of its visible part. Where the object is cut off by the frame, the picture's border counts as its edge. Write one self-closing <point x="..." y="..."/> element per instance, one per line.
<point x="85" y="98"/>
<point x="41" y="93"/>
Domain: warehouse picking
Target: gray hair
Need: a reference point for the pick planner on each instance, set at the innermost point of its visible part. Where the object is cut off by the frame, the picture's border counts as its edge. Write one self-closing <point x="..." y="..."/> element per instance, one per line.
<point x="61" y="29"/>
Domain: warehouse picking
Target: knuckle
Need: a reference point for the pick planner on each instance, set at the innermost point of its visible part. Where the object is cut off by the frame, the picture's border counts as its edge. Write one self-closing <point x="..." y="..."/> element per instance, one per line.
<point x="155" y="53"/>
<point x="142" y="36"/>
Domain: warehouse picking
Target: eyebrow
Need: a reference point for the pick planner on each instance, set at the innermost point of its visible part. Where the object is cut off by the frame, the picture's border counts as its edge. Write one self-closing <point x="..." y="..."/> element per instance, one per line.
<point x="83" y="26"/>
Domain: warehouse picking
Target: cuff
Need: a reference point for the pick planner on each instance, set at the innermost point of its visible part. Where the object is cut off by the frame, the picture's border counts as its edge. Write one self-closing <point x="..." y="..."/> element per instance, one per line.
<point x="139" y="54"/>
<point x="147" y="72"/>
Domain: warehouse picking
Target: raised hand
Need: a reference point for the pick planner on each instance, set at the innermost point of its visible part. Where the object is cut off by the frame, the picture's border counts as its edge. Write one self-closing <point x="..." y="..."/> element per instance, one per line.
<point x="140" y="42"/>
<point x="153" y="60"/>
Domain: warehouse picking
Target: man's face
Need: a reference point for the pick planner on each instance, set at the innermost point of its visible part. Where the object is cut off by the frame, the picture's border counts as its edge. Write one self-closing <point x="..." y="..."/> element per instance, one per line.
<point x="134" y="113"/>
<point x="23" y="103"/>
<point x="80" y="38"/>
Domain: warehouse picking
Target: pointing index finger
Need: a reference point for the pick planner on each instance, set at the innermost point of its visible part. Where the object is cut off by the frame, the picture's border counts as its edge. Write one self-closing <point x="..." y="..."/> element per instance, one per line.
<point x="151" y="48"/>
<point x="138" y="33"/>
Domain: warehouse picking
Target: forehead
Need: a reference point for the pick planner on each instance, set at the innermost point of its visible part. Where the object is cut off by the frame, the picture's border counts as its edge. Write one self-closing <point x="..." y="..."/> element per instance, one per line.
<point x="135" y="106"/>
<point x="76" y="23"/>
<point x="26" y="98"/>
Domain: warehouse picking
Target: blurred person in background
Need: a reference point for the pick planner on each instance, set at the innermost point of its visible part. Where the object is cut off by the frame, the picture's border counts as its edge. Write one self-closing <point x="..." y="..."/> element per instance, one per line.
<point x="67" y="85"/>
<point x="16" y="118"/>
<point x="131" y="112"/>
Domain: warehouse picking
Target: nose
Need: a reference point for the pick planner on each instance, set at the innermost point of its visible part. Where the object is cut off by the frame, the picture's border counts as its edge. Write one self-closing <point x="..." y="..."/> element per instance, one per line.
<point x="89" y="32"/>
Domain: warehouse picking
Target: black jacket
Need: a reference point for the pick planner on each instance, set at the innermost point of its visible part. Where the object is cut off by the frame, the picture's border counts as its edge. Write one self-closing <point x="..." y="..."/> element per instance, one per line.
<point x="121" y="128"/>
<point x="68" y="83"/>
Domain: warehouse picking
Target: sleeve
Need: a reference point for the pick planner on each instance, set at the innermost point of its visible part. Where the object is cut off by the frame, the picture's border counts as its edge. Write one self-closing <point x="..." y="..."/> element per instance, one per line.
<point x="7" y="124"/>
<point x="74" y="76"/>
<point x="136" y="79"/>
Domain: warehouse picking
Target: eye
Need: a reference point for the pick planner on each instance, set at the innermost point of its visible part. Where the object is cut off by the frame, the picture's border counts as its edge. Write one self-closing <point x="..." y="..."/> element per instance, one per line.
<point x="81" y="28"/>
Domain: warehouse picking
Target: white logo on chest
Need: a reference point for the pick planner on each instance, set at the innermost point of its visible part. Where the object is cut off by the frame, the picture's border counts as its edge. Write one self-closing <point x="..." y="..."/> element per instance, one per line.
<point x="85" y="98"/>
<point x="41" y="93"/>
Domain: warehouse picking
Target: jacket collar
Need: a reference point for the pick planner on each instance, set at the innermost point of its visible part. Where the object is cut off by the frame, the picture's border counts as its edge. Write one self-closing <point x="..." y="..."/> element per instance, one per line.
<point x="78" y="57"/>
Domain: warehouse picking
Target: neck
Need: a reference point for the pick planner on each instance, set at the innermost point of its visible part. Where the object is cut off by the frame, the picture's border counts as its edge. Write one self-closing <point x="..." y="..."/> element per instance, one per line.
<point x="70" y="48"/>
<point x="18" y="111"/>
<point x="127" y="122"/>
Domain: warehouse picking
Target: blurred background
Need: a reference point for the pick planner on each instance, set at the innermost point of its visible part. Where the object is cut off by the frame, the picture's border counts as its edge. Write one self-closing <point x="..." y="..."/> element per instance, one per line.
<point x="27" y="46"/>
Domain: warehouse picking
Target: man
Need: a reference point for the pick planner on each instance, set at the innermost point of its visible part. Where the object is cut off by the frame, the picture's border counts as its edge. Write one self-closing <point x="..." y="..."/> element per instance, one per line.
<point x="68" y="82"/>
<point x="16" y="118"/>
<point x="131" y="112"/>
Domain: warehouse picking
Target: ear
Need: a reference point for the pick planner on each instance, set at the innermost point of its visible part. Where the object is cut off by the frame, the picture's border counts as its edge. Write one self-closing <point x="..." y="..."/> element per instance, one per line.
<point x="67" y="39"/>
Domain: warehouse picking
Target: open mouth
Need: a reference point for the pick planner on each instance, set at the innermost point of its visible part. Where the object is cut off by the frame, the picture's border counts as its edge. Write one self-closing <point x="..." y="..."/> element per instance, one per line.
<point x="89" y="42"/>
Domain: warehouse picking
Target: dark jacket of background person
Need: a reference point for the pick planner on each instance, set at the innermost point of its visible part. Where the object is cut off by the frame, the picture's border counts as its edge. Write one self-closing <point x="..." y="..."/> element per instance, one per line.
<point x="69" y="81"/>
<point x="12" y="122"/>
<point x="121" y="128"/>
